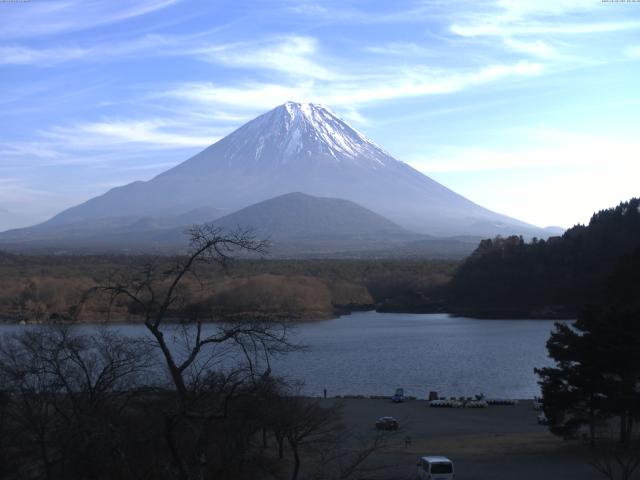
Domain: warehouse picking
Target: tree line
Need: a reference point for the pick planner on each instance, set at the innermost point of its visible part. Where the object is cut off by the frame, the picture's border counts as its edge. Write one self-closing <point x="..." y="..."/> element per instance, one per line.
<point x="548" y="278"/>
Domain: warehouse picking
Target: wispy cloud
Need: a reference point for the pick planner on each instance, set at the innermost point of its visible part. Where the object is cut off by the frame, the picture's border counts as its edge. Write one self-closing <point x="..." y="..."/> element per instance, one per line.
<point x="252" y="96"/>
<point x="509" y="18"/>
<point x="337" y="12"/>
<point x="537" y="48"/>
<point x="153" y="133"/>
<point x="293" y="55"/>
<point x="403" y="49"/>
<point x="498" y="28"/>
<point x="201" y="113"/>
<point x="109" y="142"/>
<point x="357" y="91"/>
<point x="45" y="18"/>
<point x="20" y="55"/>
<point x="156" y="45"/>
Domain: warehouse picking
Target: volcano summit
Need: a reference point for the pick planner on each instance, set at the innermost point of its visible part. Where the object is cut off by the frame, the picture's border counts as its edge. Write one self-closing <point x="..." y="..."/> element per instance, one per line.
<point x="296" y="147"/>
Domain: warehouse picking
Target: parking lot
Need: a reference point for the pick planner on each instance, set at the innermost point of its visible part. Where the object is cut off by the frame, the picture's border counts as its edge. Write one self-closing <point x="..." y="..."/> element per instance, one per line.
<point x="498" y="442"/>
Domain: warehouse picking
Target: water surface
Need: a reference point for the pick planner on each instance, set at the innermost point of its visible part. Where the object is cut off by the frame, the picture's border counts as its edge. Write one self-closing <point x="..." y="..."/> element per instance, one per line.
<point x="372" y="353"/>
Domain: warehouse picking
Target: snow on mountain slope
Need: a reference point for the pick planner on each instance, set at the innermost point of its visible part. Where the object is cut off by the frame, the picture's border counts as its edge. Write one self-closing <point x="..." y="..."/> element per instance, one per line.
<point x="300" y="147"/>
<point x="294" y="132"/>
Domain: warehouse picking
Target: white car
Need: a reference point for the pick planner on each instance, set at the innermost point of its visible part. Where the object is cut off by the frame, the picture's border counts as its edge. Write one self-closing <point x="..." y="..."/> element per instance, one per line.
<point x="435" y="468"/>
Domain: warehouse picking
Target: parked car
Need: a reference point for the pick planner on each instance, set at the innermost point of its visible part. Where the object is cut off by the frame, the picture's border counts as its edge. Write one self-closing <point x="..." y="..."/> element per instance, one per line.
<point x="387" y="423"/>
<point x="435" y="468"/>
<point x="398" y="397"/>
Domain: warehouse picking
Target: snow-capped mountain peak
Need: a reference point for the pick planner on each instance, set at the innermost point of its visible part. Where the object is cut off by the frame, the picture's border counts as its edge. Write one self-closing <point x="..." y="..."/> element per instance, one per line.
<point x="328" y="128"/>
<point x="299" y="147"/>
<point x="305" y="131"/>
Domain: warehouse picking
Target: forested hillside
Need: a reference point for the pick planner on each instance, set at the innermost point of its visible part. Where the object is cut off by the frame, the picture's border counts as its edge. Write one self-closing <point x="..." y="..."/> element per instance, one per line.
<point x="589" y="264"/>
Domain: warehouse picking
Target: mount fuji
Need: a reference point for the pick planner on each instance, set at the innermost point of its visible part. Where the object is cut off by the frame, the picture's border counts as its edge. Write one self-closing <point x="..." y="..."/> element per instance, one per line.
<point x="296" y="147"/>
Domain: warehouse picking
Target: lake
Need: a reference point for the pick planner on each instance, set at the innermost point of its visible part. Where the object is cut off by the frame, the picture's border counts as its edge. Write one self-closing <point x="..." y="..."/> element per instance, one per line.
<point x="372" y="353"/>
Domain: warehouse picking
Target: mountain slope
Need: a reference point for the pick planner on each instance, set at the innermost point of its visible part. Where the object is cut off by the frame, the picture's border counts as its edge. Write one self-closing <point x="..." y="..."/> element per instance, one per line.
<point x="297" y="215"/>
<point x="297" y="223"/>
<point x="300" y="148"/>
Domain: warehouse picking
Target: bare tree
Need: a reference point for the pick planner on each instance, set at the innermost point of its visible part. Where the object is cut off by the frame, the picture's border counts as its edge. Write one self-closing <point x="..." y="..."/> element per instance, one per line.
<point x="65" y="391"/>
<point x="616" y="462"/>
<point x="305" y="424"/>
<point x="349" y="456"/>
<point x="209" y="364"/>
<point x="313" y="431"/>
<point x="158" y="297"/>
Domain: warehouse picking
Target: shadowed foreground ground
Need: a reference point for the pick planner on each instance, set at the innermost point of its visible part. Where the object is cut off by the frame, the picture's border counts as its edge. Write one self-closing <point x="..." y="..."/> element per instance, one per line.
<point x="499" y="442"/>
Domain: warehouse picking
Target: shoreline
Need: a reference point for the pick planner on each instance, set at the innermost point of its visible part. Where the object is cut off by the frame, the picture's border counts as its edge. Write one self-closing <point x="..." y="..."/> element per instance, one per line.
<point x="497" y="314"/>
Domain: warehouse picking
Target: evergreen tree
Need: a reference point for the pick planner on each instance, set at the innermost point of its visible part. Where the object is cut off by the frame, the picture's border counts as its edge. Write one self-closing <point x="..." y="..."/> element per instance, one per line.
<point x="507" y="276"/>
<point x="597" y="371"/>
<point x="573" y="391"/>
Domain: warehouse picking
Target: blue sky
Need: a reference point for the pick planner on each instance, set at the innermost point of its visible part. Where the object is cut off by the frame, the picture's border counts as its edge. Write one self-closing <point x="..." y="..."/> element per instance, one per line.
<point x="530" y="108"/>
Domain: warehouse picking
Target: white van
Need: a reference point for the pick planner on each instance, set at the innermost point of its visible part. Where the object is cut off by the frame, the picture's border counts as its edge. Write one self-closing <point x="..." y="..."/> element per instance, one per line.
<point x="435" y="468"/>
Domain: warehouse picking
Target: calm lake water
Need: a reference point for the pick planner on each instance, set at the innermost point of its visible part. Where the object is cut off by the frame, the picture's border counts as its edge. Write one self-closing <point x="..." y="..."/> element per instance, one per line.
<point x="373" y="353"/>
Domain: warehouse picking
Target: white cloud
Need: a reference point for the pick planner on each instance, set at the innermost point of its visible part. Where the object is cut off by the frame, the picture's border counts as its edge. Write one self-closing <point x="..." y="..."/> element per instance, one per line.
<point x="20" y="55"/>
<point x="537" y="48"/>
<point x="153" y="132"/>
<point x="108" y="142"/>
